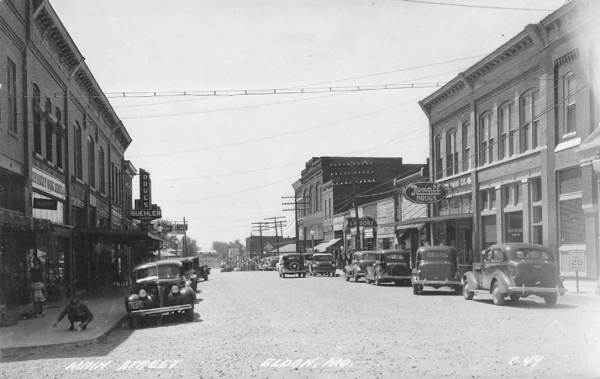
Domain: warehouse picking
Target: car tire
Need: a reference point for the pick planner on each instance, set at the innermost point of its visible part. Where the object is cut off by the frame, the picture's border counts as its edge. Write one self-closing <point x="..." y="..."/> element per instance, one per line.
<point x="377" y="280"/>
<point x="355" y="277"/>
<point x="514" y="298"/>
<point x="550" y="299"/>
<point x="282" y="275"/>
<point x="467" y="293"/>
<point x="497" y="296"/>
<point x="416" y="289"/>
<point x="189" y="314"/>
<point x="347" y="277"/>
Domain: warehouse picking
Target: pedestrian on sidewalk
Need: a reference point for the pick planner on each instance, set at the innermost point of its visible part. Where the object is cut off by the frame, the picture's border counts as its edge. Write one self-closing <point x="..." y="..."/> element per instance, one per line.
<point x="76" y="312"/>
<point x="37" y="285"/>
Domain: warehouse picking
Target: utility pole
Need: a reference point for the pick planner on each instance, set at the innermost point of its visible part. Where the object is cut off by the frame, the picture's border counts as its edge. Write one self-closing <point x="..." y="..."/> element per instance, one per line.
<point x="275" y="221"/>
<point x="355" y="203"/>
<point x="260" y="225"/>
<point x="299" y="204"/>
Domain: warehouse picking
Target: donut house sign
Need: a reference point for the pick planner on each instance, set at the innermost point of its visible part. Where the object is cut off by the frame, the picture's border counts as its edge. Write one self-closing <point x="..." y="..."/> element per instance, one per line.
<point x="425" y="192"/>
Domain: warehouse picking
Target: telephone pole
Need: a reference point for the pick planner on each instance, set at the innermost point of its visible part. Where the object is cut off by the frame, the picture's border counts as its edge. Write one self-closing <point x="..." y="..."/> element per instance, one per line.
<point x="260" y="225"/>
<point x="275" y="221"/>
<point x="299" y="204"/>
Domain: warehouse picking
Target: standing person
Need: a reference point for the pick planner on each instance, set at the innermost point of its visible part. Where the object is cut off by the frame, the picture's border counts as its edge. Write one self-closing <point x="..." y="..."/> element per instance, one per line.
<point x="37" y="284"/>
<point x="76" y="312"/>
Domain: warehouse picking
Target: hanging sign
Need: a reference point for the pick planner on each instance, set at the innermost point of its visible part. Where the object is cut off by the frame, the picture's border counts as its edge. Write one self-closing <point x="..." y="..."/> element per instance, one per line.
<point x="425" y="192"/>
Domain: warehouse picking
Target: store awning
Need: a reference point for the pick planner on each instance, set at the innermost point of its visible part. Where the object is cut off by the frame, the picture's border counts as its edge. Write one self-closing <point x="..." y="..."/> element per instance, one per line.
<point x="410" y="226"/>
<point x="323" y="246"/>
<point x="289" y="248"/>
<point x="123" y="236"/>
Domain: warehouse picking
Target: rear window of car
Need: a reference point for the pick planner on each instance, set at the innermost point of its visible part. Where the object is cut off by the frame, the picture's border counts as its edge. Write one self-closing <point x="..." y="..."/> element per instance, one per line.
<point x="534" y="254"/>
<point x="436" y="255"/>
<point x="322" y="258"/>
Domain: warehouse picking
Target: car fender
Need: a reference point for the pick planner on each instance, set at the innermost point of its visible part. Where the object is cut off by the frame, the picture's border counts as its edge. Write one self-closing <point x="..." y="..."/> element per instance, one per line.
<point x="472" y="279"/>
<point x="502" y="279"/>
<point x="370" y="272"/>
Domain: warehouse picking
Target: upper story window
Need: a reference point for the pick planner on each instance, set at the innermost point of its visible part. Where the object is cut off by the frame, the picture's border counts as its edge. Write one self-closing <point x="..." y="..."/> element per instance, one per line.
<point x="37" y="119"/>
<point x="506" y="132"/>
<point x="101" y="170"/>
<point x="466" y="148"/>
<point x="317" y="197"/>
<point x="528" y="123"/>
<point x="451" y="153"/>
<point x="511" y="194"/>
<point x="570" y="105"/>
<point x="91" y="163"/>
<point x="49" y="131"/>
<point x="59" y="138"/>
<point x="437" y="152"/>
<point x="486" y="139"/>
<point x="11" y="89"/>
<point x="488" y="199"/>
<point x="77" y="151"/>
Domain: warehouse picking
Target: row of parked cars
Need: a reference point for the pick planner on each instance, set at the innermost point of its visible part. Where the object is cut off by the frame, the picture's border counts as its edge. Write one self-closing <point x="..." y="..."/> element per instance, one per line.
<point x="506" y="271"/>
<point x="164" y="288"/>
<point x="295" y="264"/>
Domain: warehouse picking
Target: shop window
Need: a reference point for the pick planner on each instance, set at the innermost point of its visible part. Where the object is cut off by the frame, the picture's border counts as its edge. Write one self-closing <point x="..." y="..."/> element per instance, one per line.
<point x="571" y="216"/>
<point x="536" y="211"/>
<point x="451" y="153"/>
<point x="11" y="95"/>
<point x="466" y="149"/>
<point x="513" y="227"/>
<point x="37" y="120"/>
<point x="488" y="230"/>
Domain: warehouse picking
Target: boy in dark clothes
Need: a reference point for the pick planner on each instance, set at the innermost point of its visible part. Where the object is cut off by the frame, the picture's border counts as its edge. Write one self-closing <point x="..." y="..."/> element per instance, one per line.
<point x="76" y="311"/>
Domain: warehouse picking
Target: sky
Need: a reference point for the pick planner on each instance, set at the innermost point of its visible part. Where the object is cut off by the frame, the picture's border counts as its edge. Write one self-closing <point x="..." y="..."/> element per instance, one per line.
<point x="223" y="162"/>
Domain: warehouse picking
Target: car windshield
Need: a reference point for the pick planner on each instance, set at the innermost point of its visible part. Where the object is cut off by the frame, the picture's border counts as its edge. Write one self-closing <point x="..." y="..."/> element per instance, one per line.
<point x="168" y="271"/>
<point x="369" y="257"/>
<point x="536" y="254"/>
<point x="322" y="258"/>
<point x="145" y="272"/>
<point x="396" y="257"/>
<point x="436" y="256"/>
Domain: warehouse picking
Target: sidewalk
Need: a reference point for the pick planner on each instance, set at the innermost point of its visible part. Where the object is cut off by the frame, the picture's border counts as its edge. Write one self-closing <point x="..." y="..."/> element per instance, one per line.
<point x="587" y="287"/>
<point x="108" y="309"/>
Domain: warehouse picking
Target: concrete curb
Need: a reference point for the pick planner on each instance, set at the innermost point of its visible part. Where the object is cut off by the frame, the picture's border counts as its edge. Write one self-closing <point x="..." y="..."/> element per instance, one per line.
<point x="101" y="337"/>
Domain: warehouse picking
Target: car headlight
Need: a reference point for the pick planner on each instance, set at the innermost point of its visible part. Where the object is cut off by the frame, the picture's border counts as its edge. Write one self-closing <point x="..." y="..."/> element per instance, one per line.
<point x="143" y="293"/>
<point x="175" y="289"/>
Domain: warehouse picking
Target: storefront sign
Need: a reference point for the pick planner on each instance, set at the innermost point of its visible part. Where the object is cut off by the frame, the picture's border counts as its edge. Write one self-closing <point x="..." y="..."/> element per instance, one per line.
<point x="93" y="201"/>
<point x="145" y="190"/>
<point x="47" y="183"/>
<point x="78" y="203"/>
<point x="425" y="192"/>
<point x="363" y="221"/>
<point x="460" y="182"/>
<point x="368" y="233"/>
<point x="577" y="261"/>
<point x="145" y="214"/>
<point x="45" y="203"/>
<point x="338" y="223"/>
<point x="180" y="228"/>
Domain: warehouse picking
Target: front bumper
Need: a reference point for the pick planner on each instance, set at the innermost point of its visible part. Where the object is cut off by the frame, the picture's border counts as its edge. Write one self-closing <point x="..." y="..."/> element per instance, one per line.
<point x="426" y="282"/>
<point x="161" y="310"/>
<point x="322" y="269"/>
<point x="536" y="290"/>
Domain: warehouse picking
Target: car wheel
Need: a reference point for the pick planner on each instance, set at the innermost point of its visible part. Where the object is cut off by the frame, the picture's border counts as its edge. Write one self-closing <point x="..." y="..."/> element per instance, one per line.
<point x="550" y="299"/>
<point x="355" y="277"/>
<point x="189" y="314"/>
<point x="497" y="296"/>
<point x="467" y="293"/>
<point x="377" y="280"/>
<point x="514" y="298"/>
<point x="347" y="277"/>
<point x="416" y="290"/>
<point x="282" y="275"/>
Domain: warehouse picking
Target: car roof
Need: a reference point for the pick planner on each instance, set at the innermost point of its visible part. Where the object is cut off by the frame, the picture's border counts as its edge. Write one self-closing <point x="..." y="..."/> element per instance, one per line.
<point x="322" y="254"/>
<point x="393" y="251"/>
<point x="158" y="263"/>
<point x="517" y="245"/>
<point x="424" y="249"/>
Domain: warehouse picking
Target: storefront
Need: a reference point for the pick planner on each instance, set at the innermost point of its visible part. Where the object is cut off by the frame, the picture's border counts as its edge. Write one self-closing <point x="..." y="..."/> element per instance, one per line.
<point x="386" y="224"/>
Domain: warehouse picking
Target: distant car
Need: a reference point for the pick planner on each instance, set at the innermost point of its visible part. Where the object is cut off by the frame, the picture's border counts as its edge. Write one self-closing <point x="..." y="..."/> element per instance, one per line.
<point x="360" y="261"/>
<point x="322" y="264"/>
<point x="436" y="266"/>
<point x="271" y="263"/>
<point x="159" y="288"/>
<point x="390" y="266"/>
<point x="291" y="264"/>
<point x="226" y="269"/>
<point x="515" y="270"/>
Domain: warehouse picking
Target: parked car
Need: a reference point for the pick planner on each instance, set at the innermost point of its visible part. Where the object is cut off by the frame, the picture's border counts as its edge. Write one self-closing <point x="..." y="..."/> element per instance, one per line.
<point x="360" y="261"/>
<point x="323" y="264"/>
<point x="515" y="270"/>
<point x="272" y="263"/>
<point x="436" y="266"/>
<point x="227" y="269"/>
<point x="191" y="268"/>
<point x="159" y="288"/>
<point x="291" y="264"/>
<point x="389" y="266"/>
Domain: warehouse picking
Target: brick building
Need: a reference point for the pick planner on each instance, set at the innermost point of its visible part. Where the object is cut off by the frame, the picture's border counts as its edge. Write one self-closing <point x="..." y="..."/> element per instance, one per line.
<point x="64" y="182"/>
<point x="505" y="136"/>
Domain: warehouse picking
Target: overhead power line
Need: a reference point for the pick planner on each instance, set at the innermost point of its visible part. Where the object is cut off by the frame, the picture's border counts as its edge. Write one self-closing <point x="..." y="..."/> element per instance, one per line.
<point x="477" y="6"/>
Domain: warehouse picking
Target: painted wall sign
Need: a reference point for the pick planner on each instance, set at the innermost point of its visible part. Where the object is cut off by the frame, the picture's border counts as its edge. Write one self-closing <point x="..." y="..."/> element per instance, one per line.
<point x="47" y="183"/>
<point x="425" y="192"/>
<point x="362" y="221"/>
<point x="145" y="214"/>
<point x="145" y="190"/>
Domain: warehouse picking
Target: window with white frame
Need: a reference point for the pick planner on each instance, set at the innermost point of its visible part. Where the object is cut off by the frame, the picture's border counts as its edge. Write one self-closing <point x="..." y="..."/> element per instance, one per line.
<point x="486" y="139"/>
<point x="451" y="153"/>
<point x="570" y="105"/>
<point x="466" y="148"/>
<point x="504" y="130"/>
<point x="11" y="88"/>
<point x="527" y="121"/>
<point x="437" y="151"/>
<point x="535" y="185"/>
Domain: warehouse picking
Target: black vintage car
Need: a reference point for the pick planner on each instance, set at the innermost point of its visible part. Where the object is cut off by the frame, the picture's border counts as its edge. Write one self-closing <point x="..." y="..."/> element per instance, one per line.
<point x="158" y="289"/>
<point x="291" y="264"/>
<point x="515" y="270"/>
<point x="191" y="268"/>
<point x="389" y="266"/>
<point x="360" y="261"/>
<point x="436" y="266"/>
<point x="323" y="264"/>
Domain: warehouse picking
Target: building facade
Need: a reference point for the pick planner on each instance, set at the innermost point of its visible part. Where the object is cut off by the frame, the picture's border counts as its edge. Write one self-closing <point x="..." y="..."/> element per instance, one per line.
<point x="505" y="136"/>
<point x="63" y="177"/>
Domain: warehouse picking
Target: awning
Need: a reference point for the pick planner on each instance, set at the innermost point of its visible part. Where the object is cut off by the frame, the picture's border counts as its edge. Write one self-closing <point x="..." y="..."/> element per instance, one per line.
<point x="323" y="246"/>
<point x="289" y="248"/>
<point x="124" y="236"/>
<point x="410" y="226"/>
